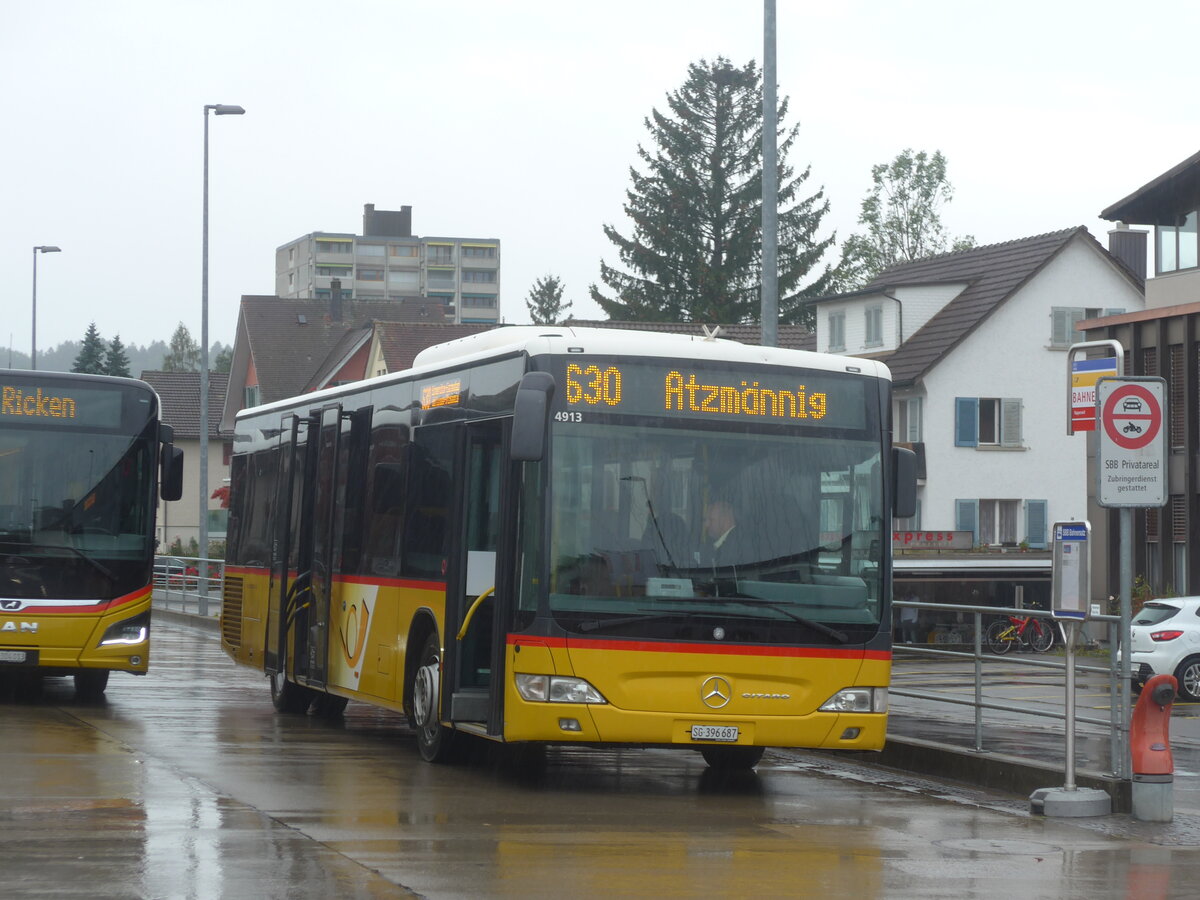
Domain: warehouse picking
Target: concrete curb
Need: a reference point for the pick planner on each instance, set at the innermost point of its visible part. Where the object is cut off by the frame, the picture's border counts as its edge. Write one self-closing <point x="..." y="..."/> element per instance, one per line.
<point x="995" y="771"/>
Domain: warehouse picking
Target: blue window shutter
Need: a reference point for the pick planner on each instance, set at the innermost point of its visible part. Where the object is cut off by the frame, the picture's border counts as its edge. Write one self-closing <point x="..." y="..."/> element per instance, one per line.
<point x="966" y="421"/>
<point x="966" y="518"/>
<point x="1035" y="523"/>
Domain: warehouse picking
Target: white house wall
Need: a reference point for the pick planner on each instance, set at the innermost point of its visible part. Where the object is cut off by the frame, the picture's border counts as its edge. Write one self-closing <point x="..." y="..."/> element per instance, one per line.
<point x="1009" y="356"/>
<point x="921" y="303"/>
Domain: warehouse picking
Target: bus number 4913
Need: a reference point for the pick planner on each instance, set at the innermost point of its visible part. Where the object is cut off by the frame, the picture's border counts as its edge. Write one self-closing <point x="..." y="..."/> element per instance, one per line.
<point x="568" y="417"/>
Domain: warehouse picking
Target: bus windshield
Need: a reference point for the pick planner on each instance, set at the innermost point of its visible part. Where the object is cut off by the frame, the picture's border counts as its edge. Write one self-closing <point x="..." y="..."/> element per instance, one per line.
<point x="734" y="534"/>
<point x="75" y="513"/>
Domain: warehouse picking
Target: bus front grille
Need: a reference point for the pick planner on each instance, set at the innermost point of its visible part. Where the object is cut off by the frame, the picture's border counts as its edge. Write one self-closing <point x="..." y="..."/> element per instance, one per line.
<point x="231" y="612"/>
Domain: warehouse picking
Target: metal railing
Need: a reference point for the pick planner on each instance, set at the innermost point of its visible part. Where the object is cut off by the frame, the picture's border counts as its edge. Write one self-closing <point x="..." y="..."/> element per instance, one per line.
<point x="1116" y="722"/>
<point x="189" y="584"/>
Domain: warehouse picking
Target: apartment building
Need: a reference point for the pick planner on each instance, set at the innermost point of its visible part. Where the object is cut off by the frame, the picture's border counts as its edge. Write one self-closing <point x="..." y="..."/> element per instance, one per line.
<point x="388" y="262"/>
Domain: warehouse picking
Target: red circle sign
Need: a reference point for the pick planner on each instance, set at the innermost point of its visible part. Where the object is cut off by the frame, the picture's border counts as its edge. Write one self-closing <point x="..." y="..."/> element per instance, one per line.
<point x="1132" y="417"/>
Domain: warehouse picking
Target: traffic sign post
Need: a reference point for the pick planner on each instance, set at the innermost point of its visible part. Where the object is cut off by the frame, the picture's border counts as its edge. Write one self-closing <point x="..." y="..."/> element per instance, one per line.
<point x="1131" y="457"/>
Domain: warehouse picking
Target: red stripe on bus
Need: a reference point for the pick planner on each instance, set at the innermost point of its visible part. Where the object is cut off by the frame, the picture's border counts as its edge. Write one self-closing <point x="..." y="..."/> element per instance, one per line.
<point x="100" y="606"/>
<point x="724" y="649"/>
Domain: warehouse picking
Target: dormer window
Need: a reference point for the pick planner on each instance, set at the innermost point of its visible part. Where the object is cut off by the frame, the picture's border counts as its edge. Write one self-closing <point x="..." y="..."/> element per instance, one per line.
<point x="837" y="330"/>
<point x="1178" y="245"/>
<point x="874" y="327"/>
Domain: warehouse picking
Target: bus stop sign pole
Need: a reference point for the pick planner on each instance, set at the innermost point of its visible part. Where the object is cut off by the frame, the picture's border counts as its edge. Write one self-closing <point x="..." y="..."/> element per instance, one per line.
<point x="1069" y="603"/>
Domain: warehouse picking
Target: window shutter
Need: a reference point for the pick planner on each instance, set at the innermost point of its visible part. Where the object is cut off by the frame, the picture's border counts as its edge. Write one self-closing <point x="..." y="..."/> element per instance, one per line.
<point x="966" y="421"/>
<point x="1010" y="422"/>
<point x="1060" y="326"/>
<point x="1035" y="523"/>
<point x="966" y="517"/>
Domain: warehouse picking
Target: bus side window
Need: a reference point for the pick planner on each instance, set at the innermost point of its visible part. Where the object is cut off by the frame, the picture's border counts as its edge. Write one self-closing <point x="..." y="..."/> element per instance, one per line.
<point x="427" y="513"/>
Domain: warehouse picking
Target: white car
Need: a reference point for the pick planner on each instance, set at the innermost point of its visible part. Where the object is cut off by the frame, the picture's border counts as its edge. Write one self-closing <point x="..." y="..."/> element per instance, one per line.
<point x="1165" y="640"/>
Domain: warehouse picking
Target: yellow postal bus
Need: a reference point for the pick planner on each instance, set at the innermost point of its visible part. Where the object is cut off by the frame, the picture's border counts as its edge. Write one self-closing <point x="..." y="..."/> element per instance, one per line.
<point x="569" y="535"/>
<point x="80" y="459"/>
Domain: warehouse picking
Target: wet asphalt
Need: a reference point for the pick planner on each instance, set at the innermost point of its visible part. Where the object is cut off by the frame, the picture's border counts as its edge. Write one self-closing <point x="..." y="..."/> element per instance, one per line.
<point x="187" y="784"/>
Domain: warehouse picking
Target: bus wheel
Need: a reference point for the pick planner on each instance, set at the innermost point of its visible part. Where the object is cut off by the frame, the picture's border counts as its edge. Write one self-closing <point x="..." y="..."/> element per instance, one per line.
<point x="329" y="706"/>
<point x="732" y="759"/>
<point x="287" y="696"/>
<point x="90" y="683"/>
<point x="433" y="741"/>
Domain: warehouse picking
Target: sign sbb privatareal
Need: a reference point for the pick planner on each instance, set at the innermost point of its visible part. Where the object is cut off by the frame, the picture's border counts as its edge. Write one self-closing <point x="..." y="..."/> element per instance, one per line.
<point x="1131" y="458"/>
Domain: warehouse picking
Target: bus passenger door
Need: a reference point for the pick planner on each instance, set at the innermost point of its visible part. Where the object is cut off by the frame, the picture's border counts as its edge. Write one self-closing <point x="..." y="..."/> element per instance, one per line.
<point x="478" y="596"/>
<point x="323" y="560"/>
<point x="286" y="586"/>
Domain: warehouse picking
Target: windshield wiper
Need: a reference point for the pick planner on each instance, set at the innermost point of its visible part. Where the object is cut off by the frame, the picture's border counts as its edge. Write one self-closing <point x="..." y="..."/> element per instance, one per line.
<point x="597" y="624"/>
<point x="98" y="566"/>
<point x="829" y="631"/>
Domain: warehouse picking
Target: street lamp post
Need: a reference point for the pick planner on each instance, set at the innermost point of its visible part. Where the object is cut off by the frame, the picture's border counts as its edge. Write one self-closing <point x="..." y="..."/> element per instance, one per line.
<point x="220" y="109"/>
<point x="33" y="342"/>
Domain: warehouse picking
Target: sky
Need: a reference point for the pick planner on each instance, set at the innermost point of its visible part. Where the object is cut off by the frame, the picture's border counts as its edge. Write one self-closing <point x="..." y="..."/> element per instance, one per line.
<point x="520" y="121"/>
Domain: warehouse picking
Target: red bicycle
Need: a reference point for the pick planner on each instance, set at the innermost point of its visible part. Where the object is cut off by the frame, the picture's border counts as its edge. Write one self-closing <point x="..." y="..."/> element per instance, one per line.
<point x="1013" y="631"/>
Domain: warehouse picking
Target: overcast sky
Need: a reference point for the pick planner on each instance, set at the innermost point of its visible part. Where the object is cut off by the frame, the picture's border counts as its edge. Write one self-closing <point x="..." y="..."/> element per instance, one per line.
<point x="519" y="120"/>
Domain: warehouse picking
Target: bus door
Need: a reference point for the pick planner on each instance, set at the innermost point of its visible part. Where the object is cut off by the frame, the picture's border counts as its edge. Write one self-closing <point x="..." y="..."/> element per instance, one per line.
<point x="478" y="598"/>
<point x="286" y="587"/>
<point x="323" y="553"/>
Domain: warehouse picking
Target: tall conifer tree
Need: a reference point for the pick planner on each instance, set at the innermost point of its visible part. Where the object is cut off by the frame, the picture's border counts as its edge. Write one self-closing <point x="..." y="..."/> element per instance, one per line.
<point x="116" y="360"/>
<point x="90" y="360"/>
<point x="545" y="301"/>
<point x="695" y="253"/>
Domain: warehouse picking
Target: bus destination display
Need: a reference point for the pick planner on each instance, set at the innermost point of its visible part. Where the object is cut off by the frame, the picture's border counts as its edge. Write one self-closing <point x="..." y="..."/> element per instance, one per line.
<point x="716" y="392"/>
<point x="68" y="405"/>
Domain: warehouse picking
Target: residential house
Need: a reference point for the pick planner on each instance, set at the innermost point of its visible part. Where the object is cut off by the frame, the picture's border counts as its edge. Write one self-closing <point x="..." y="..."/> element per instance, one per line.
<point x="976" y="341"/>
<point x="1163" y="340"/>
<point x="179" y="394"/>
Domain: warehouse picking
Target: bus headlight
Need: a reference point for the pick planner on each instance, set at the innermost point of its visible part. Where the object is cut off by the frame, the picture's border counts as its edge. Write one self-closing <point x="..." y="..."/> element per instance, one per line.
<point x="130" y="631"/>
<point x="857" y="700"/>
<point x="556" y="689"/>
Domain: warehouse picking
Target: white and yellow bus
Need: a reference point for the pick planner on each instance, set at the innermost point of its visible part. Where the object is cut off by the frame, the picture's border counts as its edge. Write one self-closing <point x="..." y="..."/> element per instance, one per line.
<point x="515" y="540"/>
<point x="80" y="464"/>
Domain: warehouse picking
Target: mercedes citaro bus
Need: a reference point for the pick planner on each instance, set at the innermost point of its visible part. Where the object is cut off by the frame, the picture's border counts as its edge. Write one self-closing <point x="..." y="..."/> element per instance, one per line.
<point x="517" y="539"/>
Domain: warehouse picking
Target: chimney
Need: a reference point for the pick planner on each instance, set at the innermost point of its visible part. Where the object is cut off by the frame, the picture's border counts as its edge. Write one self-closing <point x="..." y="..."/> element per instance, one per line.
<point x="335" y="301"/>
<point x="387" y="222"/>
<point x="1129" y="246"/>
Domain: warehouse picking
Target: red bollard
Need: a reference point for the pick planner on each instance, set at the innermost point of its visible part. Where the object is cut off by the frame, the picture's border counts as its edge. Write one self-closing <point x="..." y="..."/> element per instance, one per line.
<point x="1150" y="746"/>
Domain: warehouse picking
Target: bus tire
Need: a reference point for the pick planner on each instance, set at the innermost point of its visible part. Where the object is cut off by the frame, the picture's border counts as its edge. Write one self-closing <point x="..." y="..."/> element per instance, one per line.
<point x="91" y="683"/>
<point x="732" y="759"/>
<point x="434" y="741"/>
<point x="287" y="696"/>
<point x="329" y="706"/>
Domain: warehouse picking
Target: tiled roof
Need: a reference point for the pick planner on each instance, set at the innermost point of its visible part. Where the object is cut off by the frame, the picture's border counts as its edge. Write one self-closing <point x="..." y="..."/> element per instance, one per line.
<point x="180" y="396"/>
<point x="400" y="342"/>
<point x="992" y="275"/>
<point x="792" y="337"/>
<point x="291" y="339"/>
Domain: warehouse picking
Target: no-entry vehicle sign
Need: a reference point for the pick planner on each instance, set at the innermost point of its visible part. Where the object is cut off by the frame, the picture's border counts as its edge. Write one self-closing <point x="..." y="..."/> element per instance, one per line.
<point x="1132" y="449"/>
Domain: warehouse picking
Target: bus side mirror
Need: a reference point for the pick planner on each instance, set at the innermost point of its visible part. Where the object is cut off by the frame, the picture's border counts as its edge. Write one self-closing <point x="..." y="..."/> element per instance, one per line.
<point x="531" y="417"/>
<point x="904" y="483"/>
<point x="172" y="473"/>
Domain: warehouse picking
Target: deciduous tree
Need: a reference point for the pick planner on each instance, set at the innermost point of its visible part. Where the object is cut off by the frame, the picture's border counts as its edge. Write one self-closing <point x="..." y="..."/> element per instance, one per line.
<point x="902" y="218"/>
<point x="183" y="354"/>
